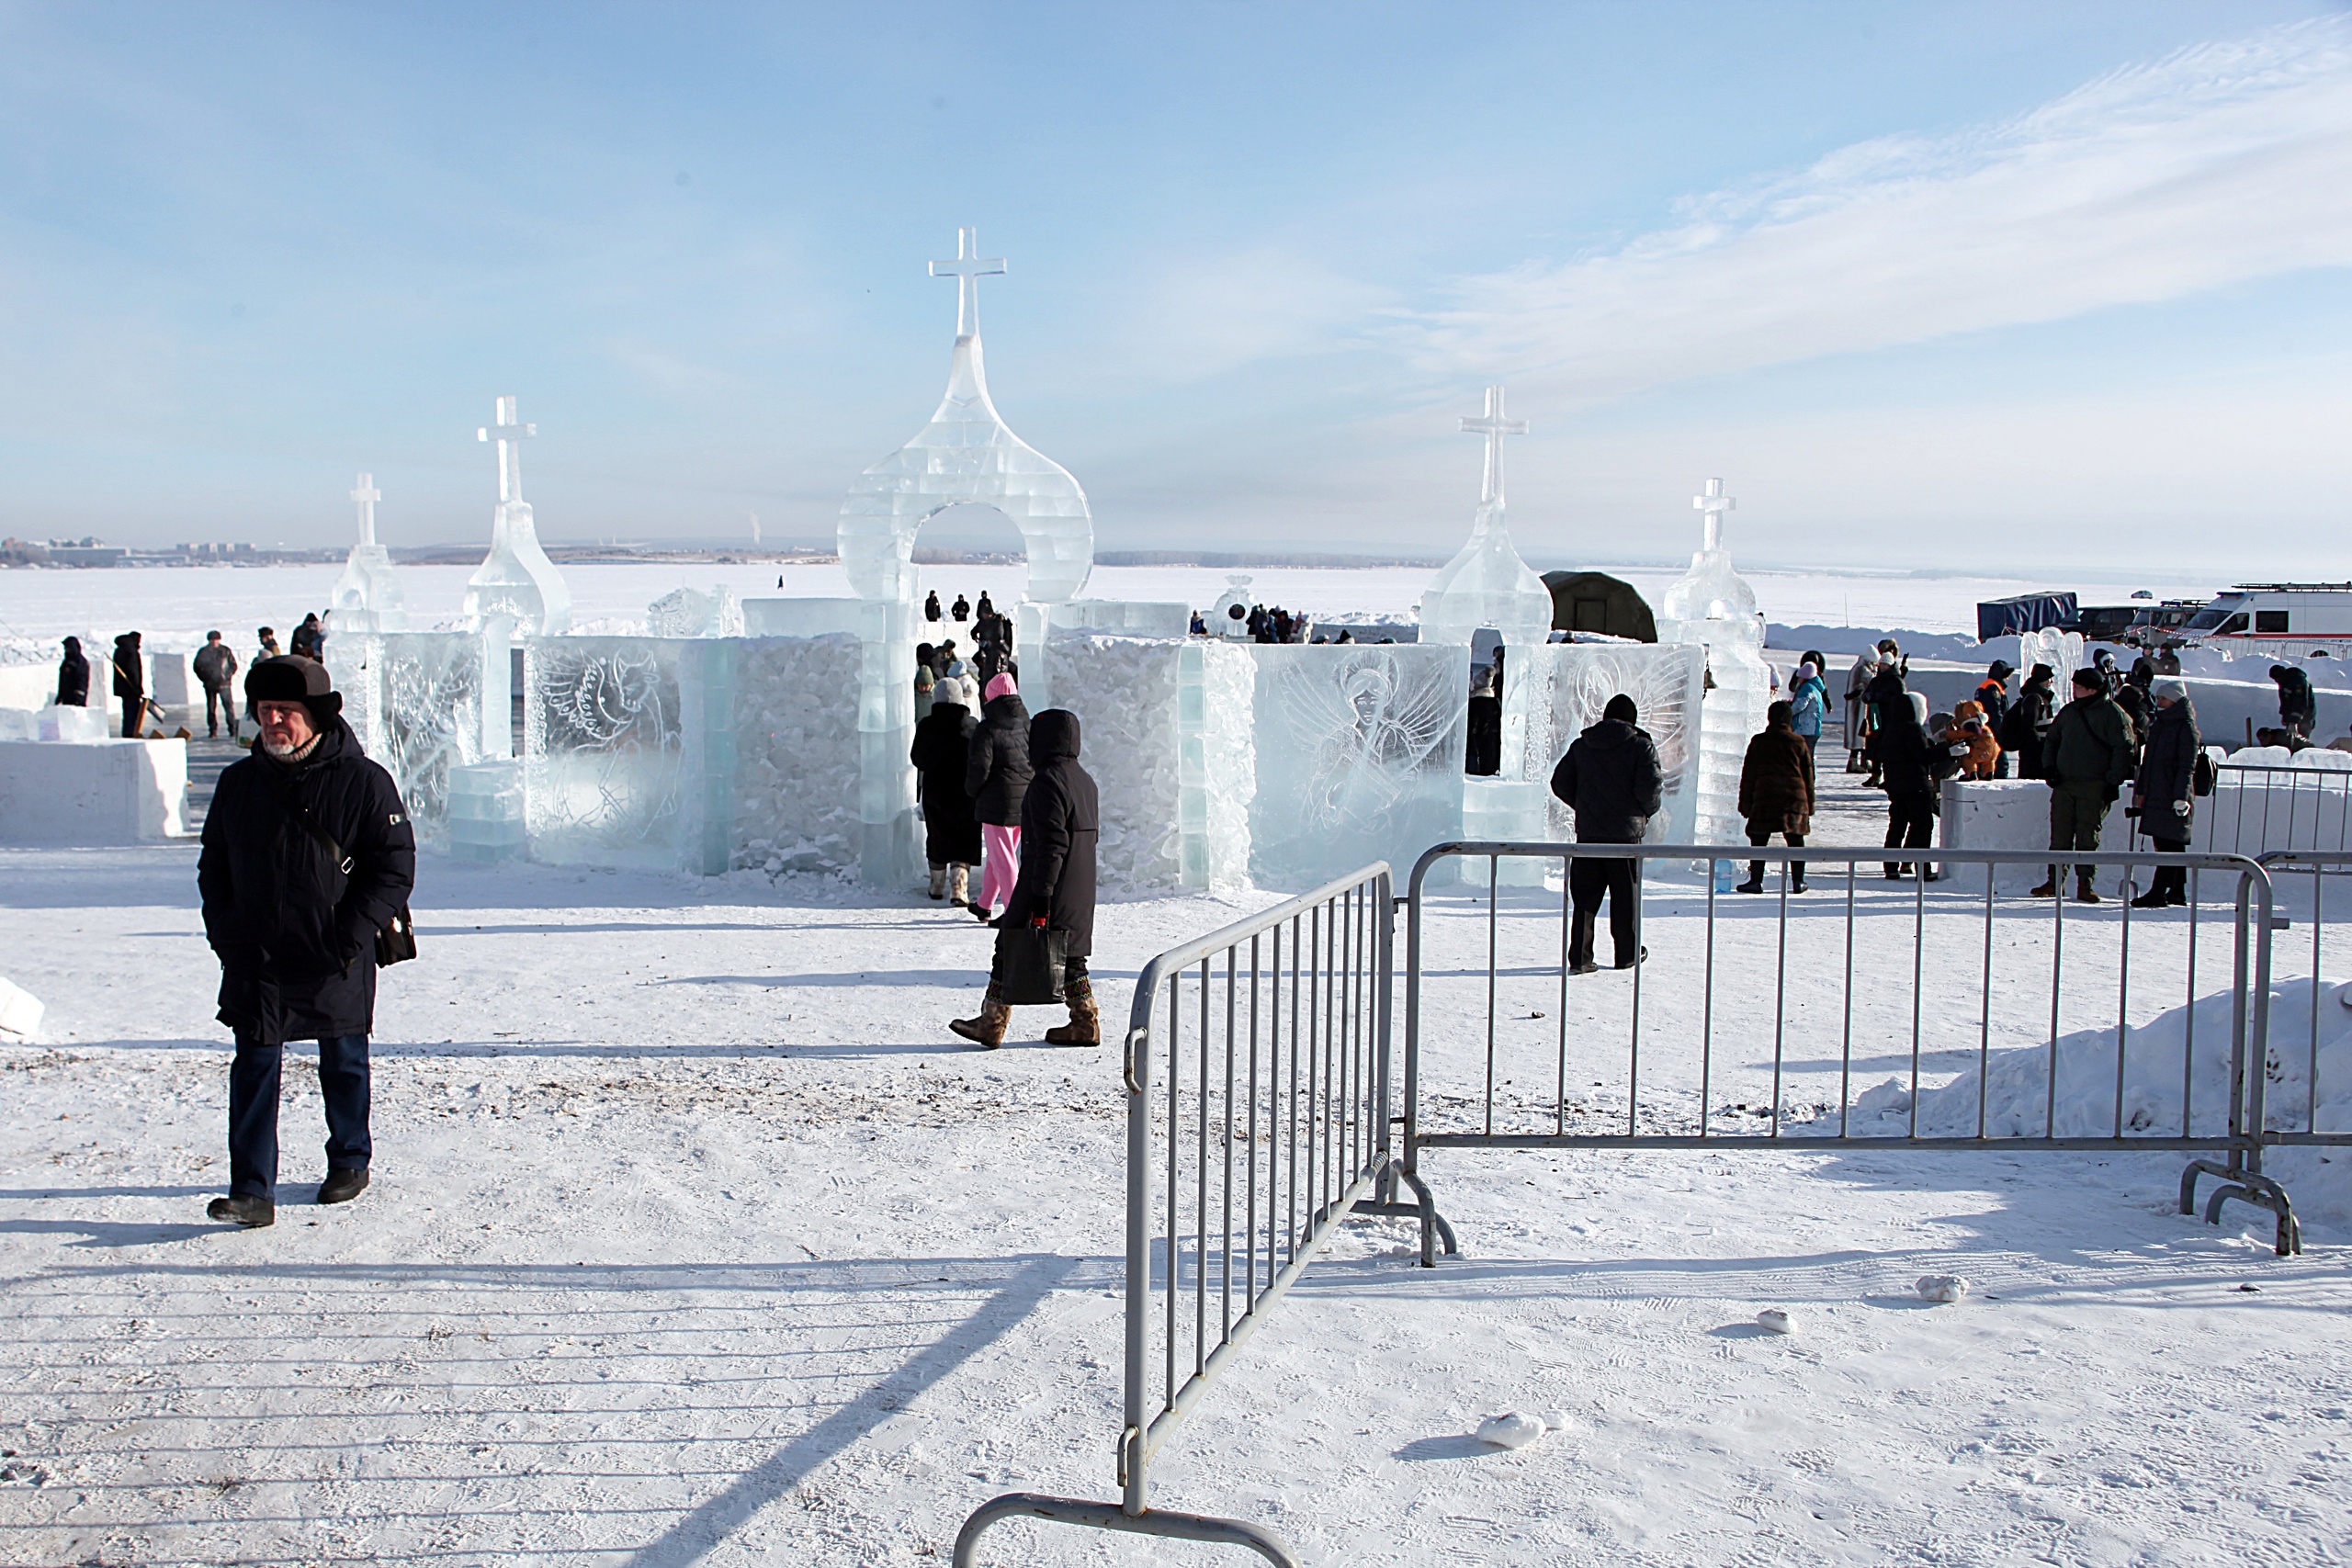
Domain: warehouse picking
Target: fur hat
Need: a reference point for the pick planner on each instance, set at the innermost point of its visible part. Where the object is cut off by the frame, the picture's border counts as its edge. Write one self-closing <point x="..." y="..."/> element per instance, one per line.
<point x="289" y="678"/>
<point x="2171" y="686"/>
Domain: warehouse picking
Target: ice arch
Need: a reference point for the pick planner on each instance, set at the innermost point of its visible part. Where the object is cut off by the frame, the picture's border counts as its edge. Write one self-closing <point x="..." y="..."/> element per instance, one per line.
<point x="966" y="456"/>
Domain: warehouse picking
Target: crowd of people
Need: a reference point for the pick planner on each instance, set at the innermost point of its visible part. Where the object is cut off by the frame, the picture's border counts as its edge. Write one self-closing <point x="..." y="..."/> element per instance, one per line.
<point x="216" y="669"/>
<point x="2117" y="731"/>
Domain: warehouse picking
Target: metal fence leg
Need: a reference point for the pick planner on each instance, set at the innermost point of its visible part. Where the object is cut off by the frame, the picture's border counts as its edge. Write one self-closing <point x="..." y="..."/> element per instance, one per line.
<point x="2246" y="1187"/>
<point x="1111" y="1516"/>
<point x="1434" y="1229"/>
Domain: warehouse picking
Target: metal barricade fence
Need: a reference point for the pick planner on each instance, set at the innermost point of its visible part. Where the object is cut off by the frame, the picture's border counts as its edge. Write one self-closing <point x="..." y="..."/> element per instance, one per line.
<point x="1737" y="1056"/>
<point x="2300" y="1045"/>
<point x="2257" y="808"/>
<point x="1257" y="1071"/>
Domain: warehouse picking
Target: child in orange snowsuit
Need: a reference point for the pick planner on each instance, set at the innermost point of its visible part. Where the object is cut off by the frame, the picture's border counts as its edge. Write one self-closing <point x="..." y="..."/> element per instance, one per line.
<point x="1984" y="752"/>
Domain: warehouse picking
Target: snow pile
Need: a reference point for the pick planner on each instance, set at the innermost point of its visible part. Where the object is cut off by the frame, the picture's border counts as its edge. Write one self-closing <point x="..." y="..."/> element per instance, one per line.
<point x="1776" y="1320"/>
<point x="1123" y="692"/>
<point x="1942" y="1288"/>
<point x="1510" y="1431"/>
<point x="2311" y="1025"/>
<point x="20" y="1012"/>
<point x="796" y="754"/>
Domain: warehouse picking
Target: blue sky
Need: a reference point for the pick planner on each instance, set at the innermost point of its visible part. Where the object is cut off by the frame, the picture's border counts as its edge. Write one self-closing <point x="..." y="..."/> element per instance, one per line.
<point x="2002" y="285"/>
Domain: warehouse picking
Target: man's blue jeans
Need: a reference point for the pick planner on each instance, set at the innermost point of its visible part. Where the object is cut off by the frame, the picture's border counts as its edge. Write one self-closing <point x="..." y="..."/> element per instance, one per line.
<point x="253" y="1110"/>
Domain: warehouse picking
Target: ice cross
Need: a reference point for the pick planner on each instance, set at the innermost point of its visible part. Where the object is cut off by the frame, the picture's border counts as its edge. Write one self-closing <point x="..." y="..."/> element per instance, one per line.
<point x="1714" y="503"/>
<point x="508" y="432"/>
<point x="1494" y="427"/>
<point x="967" y="269"/>
<point x="367" y="495"/>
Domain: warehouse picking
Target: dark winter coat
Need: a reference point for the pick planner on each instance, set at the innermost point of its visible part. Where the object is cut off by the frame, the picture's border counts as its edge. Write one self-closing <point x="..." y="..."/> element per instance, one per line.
<point x="216" y="666"/>
<point x="931" y="607"/>
<point x="1483" y="752"/>
<point x="2090" y="742"/>
<point x="942" y="749"/>
<point x="72" y="676"/>
<point x="2168" y="773"/>
<point x="295" y="936"/>
<point x="2298" y="703"/>
<point x="1886" y="692"/>
<point x="1062" y="821"/>
<point x="1910" y="760"/>
<point x="2027" y="723"/>
<point x="1610" y="777"/>
<point x="1994" y="698"/>
<point x="130" y="667"/>
<point x="996" y="770"/>
<point x="1776" y="783"/>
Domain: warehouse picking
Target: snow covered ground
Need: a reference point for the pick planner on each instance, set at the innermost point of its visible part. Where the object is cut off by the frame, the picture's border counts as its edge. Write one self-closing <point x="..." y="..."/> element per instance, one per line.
<point x="693" y="1239"/>
<point x="175" y="606"/>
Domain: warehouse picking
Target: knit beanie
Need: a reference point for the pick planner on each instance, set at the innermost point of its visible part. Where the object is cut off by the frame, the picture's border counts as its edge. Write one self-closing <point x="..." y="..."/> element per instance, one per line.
<point x="1621" y="709"/>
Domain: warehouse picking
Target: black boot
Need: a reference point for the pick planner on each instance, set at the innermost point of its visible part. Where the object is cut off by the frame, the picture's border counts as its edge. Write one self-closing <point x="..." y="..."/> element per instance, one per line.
<point x="343" y="1186"/>
<point x="249" y="1212"/>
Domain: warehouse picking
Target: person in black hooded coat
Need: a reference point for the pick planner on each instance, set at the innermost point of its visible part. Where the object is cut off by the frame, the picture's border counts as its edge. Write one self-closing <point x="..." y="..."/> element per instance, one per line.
<point x="130" y="683"/>
<point x="72" y="676"/>
<point x="951" y="833"/>
<point x="996" y="776"/>
<point x="1061" y="822"/>
<point x="295" y="929"/>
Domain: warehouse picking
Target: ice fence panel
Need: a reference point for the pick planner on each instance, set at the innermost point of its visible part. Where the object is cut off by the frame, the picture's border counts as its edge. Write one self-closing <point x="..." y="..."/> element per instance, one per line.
<point x="1357" y="753"/>
<point x="603" y="750"/>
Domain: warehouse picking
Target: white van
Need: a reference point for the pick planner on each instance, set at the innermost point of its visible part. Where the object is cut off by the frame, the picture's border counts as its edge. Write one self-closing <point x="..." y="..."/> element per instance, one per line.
<point x="2278" y="620"/>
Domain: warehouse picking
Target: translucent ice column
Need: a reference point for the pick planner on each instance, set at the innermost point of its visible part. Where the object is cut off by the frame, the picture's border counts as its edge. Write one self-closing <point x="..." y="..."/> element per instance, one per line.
<point x="966" y="454"/>
<point x="515" y="580"/>
<point x="367" y="596"/>
<point x="1488" y="585"/>
<point x="1713" y="606"/>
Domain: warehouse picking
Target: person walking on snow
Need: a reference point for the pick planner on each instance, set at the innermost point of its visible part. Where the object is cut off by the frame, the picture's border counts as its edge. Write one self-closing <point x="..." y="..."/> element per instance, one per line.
<point x="1611" y="779"/>
<point x="1061" y="822"/>
<point x="1775" y="792"/>
<point x="294" y="921"/>
<point x="73" y="676"/>
<point x="931" y="606"/>
<point x="216" y="667"/>
<point x="2165" y="792"/>
<point x="951" y="833"/>
<point x="996" y="776"/>
<point x="2088" y="760"/>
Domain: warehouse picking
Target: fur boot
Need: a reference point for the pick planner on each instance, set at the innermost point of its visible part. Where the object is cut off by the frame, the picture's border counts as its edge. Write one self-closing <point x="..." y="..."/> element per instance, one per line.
<point x="988" y="1030"/>
<point x="1084" y="1028"/>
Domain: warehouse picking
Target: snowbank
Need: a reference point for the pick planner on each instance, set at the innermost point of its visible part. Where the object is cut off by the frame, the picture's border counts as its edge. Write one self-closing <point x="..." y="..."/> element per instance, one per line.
<point x="2310" y="1027"/>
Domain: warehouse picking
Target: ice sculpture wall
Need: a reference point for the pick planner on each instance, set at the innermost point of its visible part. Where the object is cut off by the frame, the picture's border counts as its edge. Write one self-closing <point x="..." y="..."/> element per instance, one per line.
<point x="1126" y="693"/>
<point x="414" y="700"/>
<point x="796" y="754"/>
<point x="1568" y="683"/>
<point x="1357" y="754"/>
<point x="603" y="750"/>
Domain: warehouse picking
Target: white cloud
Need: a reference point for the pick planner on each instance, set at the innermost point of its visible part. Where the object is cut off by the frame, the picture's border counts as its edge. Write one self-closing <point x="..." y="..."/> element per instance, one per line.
<point x="1216" y="313"/>
<point x="2223" y="163"/>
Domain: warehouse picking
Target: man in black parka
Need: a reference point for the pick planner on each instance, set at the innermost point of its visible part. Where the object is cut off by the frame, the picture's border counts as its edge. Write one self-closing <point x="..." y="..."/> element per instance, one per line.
<point x="131" y="685"/>
<point x="294" y="923"/>
<point x="1611" y="779"/>
<point x="72" y="676"/>
<point x="1062" y="821"/>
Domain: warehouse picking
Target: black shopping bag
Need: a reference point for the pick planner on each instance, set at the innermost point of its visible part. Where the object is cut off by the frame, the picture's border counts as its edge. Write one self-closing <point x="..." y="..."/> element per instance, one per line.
<point x="1029" y="965"/>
